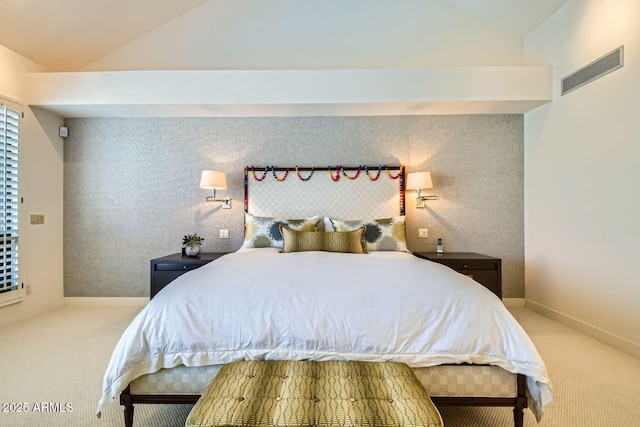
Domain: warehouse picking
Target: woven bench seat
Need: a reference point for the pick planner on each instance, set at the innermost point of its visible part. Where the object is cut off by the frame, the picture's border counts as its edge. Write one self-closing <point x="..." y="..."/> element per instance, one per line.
<point x="323" y="394"/>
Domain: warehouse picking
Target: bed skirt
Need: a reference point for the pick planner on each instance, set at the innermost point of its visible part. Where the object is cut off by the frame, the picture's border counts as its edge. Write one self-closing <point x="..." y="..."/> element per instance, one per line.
<point x="442" y="380"/>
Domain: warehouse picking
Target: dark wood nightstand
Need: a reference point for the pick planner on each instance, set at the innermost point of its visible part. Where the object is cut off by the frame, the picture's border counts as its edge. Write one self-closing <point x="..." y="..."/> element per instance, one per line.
<point x="164" y="270"/>
<point x="484" y="269"/>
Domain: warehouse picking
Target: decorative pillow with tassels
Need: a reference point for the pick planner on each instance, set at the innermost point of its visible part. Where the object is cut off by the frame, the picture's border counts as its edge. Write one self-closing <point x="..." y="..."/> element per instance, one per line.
<point x="335" y="241"/>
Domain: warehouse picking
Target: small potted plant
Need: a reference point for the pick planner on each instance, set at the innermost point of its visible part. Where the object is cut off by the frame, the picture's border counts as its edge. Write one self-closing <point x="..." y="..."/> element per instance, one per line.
<point x="191" y="244"/>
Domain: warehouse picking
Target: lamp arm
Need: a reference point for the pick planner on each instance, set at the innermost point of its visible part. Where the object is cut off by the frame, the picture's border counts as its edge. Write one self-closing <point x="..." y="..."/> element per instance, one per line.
<point x="226" y="202"/>
<point x="420" y="199"/>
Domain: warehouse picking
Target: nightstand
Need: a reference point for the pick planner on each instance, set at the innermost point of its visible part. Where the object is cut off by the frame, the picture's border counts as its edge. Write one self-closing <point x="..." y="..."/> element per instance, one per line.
<point x="484" y="269"/>
<point x="164" y="270"/>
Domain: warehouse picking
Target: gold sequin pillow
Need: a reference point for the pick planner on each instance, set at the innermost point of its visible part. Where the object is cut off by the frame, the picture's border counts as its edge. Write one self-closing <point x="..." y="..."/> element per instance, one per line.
<point x="386" y="234"/>
<point x="301" y="241"/>
<point x="264" y="232"/>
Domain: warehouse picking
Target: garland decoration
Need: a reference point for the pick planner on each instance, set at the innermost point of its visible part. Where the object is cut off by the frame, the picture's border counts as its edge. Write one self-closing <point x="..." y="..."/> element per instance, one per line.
<point x="286" y="174"/>
<point x="335" y="176"/>
<point x="351" y="178"/>
<point x="313" y="169"/>
<point x="398" y="175"/>
<point x="246" y="189"/>
<point x="264" y="174"/>
<point x="366" y="169"/>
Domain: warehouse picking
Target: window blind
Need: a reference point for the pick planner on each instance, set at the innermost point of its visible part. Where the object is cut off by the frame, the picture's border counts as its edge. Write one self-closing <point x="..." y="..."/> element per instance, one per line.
<point x="9" y="202"/>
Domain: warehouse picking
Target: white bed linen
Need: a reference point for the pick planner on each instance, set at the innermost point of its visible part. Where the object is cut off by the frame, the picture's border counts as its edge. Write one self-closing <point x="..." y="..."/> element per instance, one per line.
<point x="259" y="304"/>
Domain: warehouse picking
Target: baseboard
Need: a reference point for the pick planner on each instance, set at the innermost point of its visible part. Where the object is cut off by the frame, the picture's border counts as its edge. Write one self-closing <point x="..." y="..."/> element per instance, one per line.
<point x="106" y="301"/>
<point x="513" y="302"/>
<point x="608" y="338"/>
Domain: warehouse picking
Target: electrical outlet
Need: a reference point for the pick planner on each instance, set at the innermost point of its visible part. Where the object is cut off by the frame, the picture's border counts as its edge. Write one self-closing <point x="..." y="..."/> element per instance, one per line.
<point x="423" y="233"/>
<point x="224" y="233"/>
<point x="28" y="289"/>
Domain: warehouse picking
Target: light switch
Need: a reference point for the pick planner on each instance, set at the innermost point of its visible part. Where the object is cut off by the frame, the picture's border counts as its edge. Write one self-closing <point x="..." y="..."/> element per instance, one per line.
<point x="36" y="219"/>
<point x="224" y="233"/>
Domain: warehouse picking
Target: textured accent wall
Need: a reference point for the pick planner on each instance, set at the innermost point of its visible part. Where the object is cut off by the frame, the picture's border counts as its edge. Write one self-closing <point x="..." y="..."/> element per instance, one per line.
<point x="131" y="185"/>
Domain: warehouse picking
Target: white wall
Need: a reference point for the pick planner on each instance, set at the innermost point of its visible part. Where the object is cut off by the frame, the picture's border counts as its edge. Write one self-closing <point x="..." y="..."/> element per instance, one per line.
<point x="582" y="175"/>
<point x="283" y="34"/>
<point x="41" y="163"/>
<point x="269" y="93"/>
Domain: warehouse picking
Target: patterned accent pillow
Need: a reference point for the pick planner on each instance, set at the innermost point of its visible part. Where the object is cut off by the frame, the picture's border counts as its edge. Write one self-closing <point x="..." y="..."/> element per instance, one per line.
<point x="264" y="232"/>
<point x="301" y="241"/>
<point x="386" y="234"/>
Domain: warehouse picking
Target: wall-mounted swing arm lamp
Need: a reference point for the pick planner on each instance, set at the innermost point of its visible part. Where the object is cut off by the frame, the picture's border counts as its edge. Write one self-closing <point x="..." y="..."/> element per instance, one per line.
<point x="421" y="181"/>
<point x="215" y="180"/>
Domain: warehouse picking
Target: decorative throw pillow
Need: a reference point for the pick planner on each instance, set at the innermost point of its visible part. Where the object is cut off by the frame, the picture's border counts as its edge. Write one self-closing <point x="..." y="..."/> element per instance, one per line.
<point x="386" y="234"/>
<point x="345" y="241"/>
<point x="300" y="241"/>
<point x="264" y="232"/>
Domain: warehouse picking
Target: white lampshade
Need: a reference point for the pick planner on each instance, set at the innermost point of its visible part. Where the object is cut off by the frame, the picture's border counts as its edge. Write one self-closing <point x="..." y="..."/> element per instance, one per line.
<point x="213" y="180"/>
<point x="419" y="181"/>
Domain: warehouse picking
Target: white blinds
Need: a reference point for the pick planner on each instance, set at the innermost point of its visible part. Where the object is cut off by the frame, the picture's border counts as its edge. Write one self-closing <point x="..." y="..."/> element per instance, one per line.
<point x="9" y="201"/>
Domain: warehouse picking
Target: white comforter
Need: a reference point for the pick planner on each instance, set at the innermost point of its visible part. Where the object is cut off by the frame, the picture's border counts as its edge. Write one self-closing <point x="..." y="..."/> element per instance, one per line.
<point x="383" y="306"/>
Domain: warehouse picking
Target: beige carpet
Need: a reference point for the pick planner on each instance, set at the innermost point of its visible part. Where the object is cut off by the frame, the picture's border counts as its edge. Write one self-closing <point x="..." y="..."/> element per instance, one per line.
<point x="55" y="363"/>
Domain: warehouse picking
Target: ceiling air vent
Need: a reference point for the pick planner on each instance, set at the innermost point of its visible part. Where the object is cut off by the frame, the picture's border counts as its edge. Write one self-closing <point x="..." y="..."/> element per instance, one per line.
<point x="598" y="68"/>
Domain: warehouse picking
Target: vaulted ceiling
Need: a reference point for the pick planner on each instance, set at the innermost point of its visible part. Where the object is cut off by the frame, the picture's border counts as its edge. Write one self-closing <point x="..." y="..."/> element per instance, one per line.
<point x="67" y="35"/>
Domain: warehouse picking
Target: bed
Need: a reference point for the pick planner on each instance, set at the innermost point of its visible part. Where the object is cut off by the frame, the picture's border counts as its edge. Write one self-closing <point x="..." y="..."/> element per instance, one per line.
<point x="283" y="298"/>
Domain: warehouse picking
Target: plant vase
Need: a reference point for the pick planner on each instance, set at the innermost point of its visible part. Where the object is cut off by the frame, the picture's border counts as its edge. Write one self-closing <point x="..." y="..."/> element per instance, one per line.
<point x="192" y="249"/>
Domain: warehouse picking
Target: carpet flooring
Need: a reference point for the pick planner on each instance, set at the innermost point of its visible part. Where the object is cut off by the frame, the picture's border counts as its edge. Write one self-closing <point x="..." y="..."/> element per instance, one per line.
<point x="52" y="368"/>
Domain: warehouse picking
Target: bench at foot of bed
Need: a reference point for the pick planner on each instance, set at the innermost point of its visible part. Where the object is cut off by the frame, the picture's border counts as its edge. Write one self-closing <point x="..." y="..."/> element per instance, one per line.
<point x="518" y="401"/>
<point x="299" y="393"/>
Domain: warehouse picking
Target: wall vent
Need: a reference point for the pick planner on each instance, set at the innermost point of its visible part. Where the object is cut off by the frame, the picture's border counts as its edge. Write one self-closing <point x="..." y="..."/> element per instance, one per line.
<point x="598" y="68"/>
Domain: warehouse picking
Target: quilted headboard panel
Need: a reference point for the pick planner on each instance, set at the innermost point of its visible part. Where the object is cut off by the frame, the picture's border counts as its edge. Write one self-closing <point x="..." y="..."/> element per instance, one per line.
<point x="340" y="192"/>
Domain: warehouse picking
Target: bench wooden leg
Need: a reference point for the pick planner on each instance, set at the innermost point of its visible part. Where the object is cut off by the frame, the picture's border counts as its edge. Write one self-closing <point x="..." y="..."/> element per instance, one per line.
<point x="128" y="415"/>
<point x="521" y="402"/>
<point x="518" y="417"/>
<point x="125" y="400"/>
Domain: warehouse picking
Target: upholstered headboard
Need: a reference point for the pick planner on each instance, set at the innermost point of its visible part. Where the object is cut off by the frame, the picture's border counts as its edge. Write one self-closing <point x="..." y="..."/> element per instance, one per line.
<point x="340" y="192"/>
